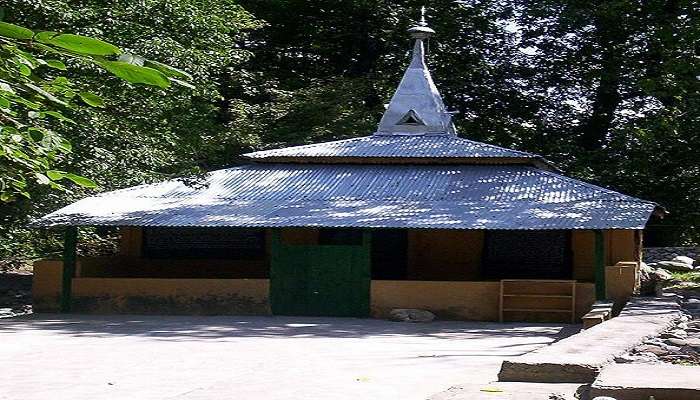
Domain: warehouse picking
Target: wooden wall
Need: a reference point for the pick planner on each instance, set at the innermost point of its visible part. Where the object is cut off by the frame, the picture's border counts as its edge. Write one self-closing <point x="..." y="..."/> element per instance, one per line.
<point x="444" y="254"/>
<point x="620" y="245"/>
<point x="437" y="254"/>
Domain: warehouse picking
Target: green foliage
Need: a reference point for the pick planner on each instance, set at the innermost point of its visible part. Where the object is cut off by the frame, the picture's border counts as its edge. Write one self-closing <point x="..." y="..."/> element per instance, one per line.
<point x="32" y="95"/>
<point x="143" y="133"/>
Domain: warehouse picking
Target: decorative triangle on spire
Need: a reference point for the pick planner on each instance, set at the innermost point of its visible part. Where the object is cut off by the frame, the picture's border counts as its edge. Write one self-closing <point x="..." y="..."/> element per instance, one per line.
<point x="417" y="99"/>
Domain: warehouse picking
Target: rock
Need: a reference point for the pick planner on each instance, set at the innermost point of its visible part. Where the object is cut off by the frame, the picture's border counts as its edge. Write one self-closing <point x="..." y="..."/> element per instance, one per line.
<point x="651" y="279"/>
<point x="679" y="333"/>
<point x="675" y="266"/>
<point x="669" y="335"/>
<point x="676" y="357"/>
<point x="636" y="358"/>
<point x="653" y="349"/>
<point x="694" y="343"/>
<point x="411" y="315"/>
<point x="676" y="342"/>
<point x="684" y="259"/>
<point x="692" y="304"/>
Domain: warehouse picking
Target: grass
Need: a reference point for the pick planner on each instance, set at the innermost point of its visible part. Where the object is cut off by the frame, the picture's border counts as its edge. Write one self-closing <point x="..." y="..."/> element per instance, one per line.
<point x="688" y="280"/>
<point x="693" y="277"/>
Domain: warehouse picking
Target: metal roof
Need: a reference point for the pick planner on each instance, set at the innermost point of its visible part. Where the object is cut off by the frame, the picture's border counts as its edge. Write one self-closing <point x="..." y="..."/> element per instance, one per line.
<point x="395" y="146"/>
<point x="365" y="196"/>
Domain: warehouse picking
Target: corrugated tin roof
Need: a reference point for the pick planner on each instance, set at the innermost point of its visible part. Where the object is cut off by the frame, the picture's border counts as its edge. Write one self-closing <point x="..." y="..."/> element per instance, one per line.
<point x="396" y="146"/>
<point x="368" y="196"/>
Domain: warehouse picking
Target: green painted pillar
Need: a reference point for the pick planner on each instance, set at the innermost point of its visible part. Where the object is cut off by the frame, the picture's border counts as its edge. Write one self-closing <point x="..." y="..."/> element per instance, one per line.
<point x="70" y="242"/>
<point x="599" y="261"/>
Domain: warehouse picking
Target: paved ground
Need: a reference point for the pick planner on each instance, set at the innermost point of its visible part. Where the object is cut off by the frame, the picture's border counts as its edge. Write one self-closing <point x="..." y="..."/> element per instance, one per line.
<point x="270" y="358"/>
<point x="580" y="358"/>
<point x="640" y="381"/>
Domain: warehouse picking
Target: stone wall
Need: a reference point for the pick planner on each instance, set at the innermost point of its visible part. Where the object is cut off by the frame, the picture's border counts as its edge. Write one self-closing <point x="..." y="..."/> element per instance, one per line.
<point x="656" y="254"/>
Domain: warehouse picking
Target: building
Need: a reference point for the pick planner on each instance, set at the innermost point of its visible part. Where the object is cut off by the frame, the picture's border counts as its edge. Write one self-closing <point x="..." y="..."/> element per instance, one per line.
<point x="412" y="216"/>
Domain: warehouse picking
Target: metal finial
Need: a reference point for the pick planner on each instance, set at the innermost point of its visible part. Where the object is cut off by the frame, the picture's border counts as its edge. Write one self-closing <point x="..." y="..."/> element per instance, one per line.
<point x="421" y="30"/>
<point x="422" y="17"/>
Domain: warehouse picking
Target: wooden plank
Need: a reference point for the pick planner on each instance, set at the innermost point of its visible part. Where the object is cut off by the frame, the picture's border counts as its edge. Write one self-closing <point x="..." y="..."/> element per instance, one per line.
<point x="536" y="301"/>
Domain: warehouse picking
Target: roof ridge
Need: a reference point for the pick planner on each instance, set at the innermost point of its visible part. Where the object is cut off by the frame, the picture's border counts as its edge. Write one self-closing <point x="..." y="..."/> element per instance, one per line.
<point x="301" y="146"/>
<point x="500" y="147"/>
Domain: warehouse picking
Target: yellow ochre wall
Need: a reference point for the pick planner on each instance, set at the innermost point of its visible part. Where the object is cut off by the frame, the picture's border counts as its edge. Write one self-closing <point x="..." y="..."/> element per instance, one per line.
<point x="171" y="296"/>
<point x="620" y="245"/>
<point x="448" y="300"/>
<point x="46" y="285"/>
<point x="475" y="301"/>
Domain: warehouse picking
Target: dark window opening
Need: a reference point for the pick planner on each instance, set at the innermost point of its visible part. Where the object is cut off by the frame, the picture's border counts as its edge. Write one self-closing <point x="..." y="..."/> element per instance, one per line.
<point x="204" y="243"/>
<point x="527" y="255"/>
<point x="339" y="237"/>
<point x="389" y="254"/>
<point x="411" y="118"/>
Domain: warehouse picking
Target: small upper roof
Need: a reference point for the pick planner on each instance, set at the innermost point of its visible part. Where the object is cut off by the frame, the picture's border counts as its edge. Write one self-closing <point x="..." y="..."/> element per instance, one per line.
<point x="415" y="128"/>
<point x="435" y="148"/>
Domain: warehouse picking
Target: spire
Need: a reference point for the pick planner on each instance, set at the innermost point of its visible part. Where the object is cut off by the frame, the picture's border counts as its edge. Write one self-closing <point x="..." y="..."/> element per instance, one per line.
<point x="416" y="107"/>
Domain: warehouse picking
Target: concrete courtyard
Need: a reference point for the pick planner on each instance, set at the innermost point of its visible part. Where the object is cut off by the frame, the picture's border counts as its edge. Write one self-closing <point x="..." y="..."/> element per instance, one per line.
<point x="184" y="358"/>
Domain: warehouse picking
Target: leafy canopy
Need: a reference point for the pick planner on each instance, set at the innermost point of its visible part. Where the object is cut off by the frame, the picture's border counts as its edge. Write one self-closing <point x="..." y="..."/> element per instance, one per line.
<point x="36" y="94"/>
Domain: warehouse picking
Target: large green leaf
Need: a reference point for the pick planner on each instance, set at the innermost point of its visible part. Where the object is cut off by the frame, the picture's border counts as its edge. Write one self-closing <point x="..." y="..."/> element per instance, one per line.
<point x="55" y="175"/>
<point x="56" y="64"/>
<point x="81" y="180"/>
<point x="15" y="32"/>
<point x="168" y="70"/>
<point x="136" y="74"/>
<point x="92" y="99"/>
<point x="78" y="44"/>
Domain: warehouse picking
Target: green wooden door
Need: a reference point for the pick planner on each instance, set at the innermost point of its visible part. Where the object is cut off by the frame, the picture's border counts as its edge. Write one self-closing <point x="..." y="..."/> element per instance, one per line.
<point x="320" y="280"/>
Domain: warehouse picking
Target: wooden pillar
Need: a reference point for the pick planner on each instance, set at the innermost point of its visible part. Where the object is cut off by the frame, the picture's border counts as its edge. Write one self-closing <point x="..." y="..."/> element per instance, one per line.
<point x="70" y="242"/>
<point x="599" y="262"/>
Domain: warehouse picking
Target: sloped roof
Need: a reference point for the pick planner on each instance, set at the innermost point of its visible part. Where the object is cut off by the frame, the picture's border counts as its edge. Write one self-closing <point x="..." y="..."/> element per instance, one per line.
<point x="365" y="196"/>
<point x="394" y="146"/>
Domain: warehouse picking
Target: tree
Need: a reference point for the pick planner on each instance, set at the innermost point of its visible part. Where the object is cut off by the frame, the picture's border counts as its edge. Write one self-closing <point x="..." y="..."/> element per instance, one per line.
<point x="33" y="91"/>
<point x="144" y="133"/>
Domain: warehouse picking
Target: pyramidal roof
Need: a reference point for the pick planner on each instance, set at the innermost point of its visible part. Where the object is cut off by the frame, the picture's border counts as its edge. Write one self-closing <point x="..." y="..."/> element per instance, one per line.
<point x="416" y="127"/>
<point x="417" y="107"/>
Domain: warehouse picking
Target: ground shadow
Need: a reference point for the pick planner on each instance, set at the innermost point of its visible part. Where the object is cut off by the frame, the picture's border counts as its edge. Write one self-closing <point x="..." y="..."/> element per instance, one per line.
<point x="225" y="327"/>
